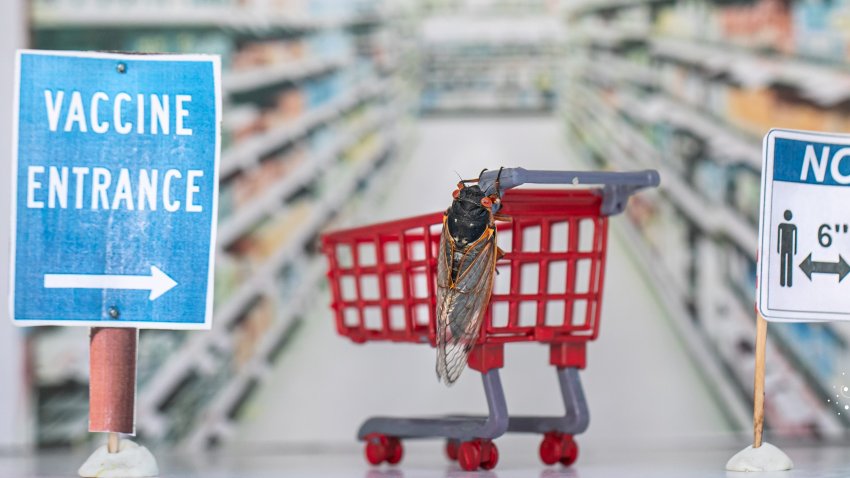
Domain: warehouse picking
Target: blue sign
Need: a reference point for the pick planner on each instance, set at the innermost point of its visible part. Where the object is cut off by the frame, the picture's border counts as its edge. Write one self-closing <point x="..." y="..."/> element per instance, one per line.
<point x="804" y="233"/>
<point x="115" y="186"/>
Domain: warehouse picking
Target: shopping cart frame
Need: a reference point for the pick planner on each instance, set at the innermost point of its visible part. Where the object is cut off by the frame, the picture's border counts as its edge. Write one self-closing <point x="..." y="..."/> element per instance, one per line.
<point x="470" y="437"/>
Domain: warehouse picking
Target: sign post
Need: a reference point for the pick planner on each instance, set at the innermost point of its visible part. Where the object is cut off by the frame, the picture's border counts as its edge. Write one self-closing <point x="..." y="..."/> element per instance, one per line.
<point x="114" y="207"/>
<point x="804" y="244"/>
<point x="112" y="382"/>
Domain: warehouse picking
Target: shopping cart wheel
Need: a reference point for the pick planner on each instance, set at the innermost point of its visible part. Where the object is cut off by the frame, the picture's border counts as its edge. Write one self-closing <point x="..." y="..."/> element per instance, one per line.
<point x="569" y="451"/>
<point x="558" y="447"/>
<point x="477" y="454"/>
<point x="492" y="460"/>
<point x="396" y="451"/>
<point x="469" y="455"/>
<point x="550" y="448"/>
<point x="381" y="448"/>
<point x="451" y="449"/>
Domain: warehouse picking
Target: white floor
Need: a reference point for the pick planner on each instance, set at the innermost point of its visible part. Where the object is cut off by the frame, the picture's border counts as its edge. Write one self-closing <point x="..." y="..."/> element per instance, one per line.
<point x="425" y="461"/>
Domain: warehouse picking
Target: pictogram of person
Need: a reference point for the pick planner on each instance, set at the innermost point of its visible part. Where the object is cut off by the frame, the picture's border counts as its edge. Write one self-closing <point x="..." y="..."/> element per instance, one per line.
<point x="786" y="246"/>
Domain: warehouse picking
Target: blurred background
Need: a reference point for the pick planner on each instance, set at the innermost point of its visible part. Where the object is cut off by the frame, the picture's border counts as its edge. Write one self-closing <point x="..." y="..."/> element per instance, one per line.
<point x="345" y="112"/>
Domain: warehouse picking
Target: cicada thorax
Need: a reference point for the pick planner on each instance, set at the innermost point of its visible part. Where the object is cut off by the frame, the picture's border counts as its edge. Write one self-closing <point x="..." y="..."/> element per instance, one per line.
<point x="467" y="220"/>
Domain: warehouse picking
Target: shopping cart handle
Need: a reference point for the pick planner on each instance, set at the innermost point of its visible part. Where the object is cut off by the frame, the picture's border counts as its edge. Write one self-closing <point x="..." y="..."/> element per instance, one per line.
<point x="616" y="187"/>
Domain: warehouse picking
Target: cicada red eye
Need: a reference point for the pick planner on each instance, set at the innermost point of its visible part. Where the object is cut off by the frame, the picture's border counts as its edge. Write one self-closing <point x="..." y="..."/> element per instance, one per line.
<point x="486" y="202"/>
<point x="456" y="193"/>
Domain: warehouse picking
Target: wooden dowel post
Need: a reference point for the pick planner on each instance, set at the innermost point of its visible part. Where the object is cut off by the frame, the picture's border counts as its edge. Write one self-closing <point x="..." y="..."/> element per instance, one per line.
<point x="113" y="444"/>
<point x="112" y="384"/>
<point x="758" y="386"/>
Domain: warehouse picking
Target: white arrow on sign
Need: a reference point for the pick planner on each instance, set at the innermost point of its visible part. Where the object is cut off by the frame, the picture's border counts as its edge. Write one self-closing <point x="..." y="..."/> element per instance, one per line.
<point x="158" y="282"/>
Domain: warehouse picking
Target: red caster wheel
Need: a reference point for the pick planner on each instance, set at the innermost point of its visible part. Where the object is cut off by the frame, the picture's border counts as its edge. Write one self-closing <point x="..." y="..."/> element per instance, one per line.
<point x="492" y="460"/>
<point x="569" y="451"/>
<point x="377" y="448"/>
<point x="452" y="449"/>
<point x="469" y="455"/>
<point x="478" y="454"/>
<point x="381" y="448"/>
<point x="396" y="451"/>
<point x="558" y="447"/>
<point x="550" y="448"/>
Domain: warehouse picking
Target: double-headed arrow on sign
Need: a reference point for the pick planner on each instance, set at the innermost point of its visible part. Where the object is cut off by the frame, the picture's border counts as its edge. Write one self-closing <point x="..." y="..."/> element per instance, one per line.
<point x="810" y="267"/>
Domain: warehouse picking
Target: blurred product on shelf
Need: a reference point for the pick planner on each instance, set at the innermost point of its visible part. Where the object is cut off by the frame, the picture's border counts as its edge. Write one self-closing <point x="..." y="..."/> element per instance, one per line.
<point x="239" y="191"/>
<point x="264" y="53"/>
<point x="263" y="241"/>
<point x="251" y="330"/>
<point x="812" y="29"/>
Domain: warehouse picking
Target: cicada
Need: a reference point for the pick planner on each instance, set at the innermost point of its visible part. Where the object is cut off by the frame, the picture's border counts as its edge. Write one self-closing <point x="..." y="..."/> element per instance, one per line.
<point x="466" y="266"/>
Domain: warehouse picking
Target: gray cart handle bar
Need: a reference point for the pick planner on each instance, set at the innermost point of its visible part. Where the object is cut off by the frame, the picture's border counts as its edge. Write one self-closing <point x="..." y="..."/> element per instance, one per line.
<point x="616" y="187"/>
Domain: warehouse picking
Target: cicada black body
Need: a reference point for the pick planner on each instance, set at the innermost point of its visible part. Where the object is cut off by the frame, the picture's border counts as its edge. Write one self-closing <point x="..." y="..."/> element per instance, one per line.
<point x="465" y="269"/>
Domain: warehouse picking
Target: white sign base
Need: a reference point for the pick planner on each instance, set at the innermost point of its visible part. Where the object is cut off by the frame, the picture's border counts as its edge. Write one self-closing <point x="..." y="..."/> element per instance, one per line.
<point x="764" y="458"/>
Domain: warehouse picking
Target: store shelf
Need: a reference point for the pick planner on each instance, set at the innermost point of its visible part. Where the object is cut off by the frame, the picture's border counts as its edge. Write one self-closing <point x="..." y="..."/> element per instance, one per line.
<point x="716" y="220"/>
<point x="784" y="375"/>
<point x="167" y="379"/>
<point x="214" y="419"/>
<point x="249" y="214"/>
<point x="613" y="37"/>
<point x="251" y="150"/>
<point x="584" y="7"/>
<point x="715" y="99"/>
<point x="616" y="69"/>
<point x="193" y="352"/>
<point x="235" y="82"/>
<point x="712" y="219"/>
<point x="336" y="111"/>
<point x="727" y="393"/>
<point x="671" y="294"/>
<point x="206" y="17"/>
<point x="194" y="17"/>
<point x="725" y="143"/>
<point x="821" y="84"/>
<point x="824" y="85"/>
<point x="291" y="249"/>
<point x="464" y="69"/>
<point x="720" y="221"/>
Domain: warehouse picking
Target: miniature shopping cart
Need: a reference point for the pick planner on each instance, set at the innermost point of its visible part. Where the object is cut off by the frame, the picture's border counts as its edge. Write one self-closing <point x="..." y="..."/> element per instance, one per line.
<point x="548" y="289"/>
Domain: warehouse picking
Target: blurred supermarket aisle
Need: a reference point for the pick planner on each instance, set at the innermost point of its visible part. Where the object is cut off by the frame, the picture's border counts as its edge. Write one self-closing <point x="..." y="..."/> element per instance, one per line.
<point x="640" y="391"/>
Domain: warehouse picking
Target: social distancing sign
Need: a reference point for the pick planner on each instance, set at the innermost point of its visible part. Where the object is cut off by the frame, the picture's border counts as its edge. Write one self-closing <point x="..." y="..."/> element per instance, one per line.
<point x="804" y="233"/>
<point x="115" y="186"/>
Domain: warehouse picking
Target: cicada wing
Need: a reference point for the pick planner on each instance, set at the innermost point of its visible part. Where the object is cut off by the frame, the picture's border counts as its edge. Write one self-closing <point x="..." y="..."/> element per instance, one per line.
<point x="444" y="299"/>
<point x="461" y="304"/>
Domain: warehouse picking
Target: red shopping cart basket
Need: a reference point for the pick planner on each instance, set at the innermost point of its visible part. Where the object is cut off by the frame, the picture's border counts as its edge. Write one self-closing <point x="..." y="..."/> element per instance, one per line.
<point x="548" y="289"/>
